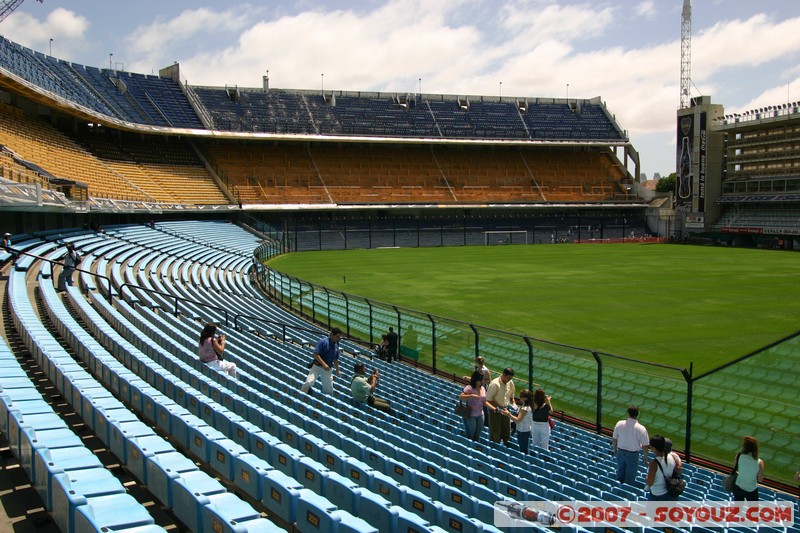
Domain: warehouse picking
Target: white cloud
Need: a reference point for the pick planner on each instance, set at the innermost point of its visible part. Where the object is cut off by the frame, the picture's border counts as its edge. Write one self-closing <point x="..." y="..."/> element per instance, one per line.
<point x="533" y="23"/>
<point x="646" y="9"/>
<point x="381" y="49"/>
<point x="743" y="43"/>
<point x="773" y="96"/>
<point x="156" y="44"/>
<point x="65" y="27"/>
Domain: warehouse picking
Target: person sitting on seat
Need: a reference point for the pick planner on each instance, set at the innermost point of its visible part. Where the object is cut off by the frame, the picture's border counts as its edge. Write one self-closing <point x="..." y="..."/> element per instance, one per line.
<point x="211" y="348"/>
<point x="362" y="388"/>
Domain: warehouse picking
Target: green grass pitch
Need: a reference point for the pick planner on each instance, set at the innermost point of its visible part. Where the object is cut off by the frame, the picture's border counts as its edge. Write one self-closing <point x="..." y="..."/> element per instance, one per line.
<point x="668" y="304"/>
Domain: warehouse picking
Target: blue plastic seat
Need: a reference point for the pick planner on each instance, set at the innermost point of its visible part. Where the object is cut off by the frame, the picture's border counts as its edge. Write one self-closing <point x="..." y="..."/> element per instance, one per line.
<point x="248" y="471"/>
<point x="400" y="472"/>
<point x="387" y="487"/>
<point x="311" y="474"/>
<point x="456" y="499"/>
<point x="285" y="458"/>
<point x="242" y="430"/>
<point x="168" y="415"/>
<point x="224" y="420"/>
<point x="113" y="512"/>
<point x="18" y="423"/>
<point x="452" y="519"/>
<point x="359" y="472"/>
<point x="315" y="513"/>
<point x="200" y="438"/>
<point x="8" y="404"/>
<point x="162" y="471"/>
<point x="344" y="493"/>
<point x="378" y="511"/>
<point x="226" y="513"/>
<point x="104" y="418"/>
<point x="281" y="493"/>
<point x="56" y="461"/>
<point x="190" y="494"/>
<point x="421" y="505"/>
<point x="411" y="522"/>
<point x="352" y="448"/>
<point x="121" y="432"/>
<point x="140" y="450"/>
<point x="311" y="445"/>
<point x="31" y="440"/>
<point x="378" y="461"/>
<point x="73" y="489"/>
<point x="261" y="444"/>
<point x="427" y="485"/>
<point x="333" y="458"/>
<point x="223" y="454"/>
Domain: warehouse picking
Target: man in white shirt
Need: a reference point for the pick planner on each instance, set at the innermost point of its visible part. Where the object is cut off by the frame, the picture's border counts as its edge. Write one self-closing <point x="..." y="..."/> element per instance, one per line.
<point x="629" y="438"/>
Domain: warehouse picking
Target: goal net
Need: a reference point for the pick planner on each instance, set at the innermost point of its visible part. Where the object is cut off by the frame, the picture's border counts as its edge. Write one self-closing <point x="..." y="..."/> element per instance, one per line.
<point x="497" y="238"/>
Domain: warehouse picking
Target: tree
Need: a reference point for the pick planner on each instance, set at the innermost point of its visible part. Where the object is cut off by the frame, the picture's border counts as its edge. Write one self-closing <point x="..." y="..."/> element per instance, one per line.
<point x="667" y="184"/>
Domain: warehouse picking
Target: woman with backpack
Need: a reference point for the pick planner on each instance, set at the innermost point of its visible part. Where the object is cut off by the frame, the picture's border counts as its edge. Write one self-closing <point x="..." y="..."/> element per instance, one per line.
<point x="663" y="467"/>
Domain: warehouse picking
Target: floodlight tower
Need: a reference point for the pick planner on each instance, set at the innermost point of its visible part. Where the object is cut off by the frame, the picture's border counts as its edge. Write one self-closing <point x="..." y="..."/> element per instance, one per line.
<point x="8" y="6"/>
<point x="686" y="52"/>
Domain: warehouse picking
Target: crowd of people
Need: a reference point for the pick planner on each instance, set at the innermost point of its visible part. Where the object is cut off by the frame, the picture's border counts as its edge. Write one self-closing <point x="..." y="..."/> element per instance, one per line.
<point x="493" y="403"/>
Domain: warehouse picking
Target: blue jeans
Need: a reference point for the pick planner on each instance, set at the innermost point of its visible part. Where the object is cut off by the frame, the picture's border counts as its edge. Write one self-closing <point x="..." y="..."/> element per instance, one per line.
<point x="627" y="466"/>
<point x="523" y="438"/>
<point x="473" y="425"/>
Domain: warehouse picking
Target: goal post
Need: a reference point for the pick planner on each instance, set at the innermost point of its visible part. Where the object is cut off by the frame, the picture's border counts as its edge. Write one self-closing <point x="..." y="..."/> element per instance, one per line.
<point x="498" y="238"/>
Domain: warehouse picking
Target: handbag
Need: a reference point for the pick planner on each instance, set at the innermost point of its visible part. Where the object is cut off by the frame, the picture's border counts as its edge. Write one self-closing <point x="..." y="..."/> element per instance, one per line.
<point x="462" y="410"/>
<point x="730" y="480"/>
<point x="675" y="484"/>
<point x="551" y="422"/>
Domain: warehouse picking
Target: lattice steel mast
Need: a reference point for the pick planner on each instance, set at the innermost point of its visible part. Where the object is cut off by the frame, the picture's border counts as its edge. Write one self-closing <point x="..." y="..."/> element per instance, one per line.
<point x="686" y="53"/>
<point x="8" y="6"/>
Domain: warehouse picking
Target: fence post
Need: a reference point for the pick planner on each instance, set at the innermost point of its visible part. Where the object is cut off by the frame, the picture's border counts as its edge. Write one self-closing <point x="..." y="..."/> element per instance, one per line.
<point x="477" y="339"/>
<point x="530" y="362"/>
<point x="371" y="325"/>
<point x="599" y="399"/>
<point x="313" y="303"/>
<point x="433" y="342"/>
<point x="399" y="330"/>
<point x="689" y="393"/>
<point x="346" y="315"/>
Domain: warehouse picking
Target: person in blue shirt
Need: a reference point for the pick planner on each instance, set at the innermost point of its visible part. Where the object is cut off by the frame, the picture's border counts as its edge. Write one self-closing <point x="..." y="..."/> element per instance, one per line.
<point x="326" y="356"/>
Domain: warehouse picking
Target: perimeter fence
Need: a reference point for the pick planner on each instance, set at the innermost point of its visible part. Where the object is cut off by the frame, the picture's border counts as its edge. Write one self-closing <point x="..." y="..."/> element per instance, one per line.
<point x="705" y="415"/>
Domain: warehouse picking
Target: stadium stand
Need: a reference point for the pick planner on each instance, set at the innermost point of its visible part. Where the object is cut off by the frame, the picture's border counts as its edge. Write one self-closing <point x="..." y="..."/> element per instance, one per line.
<point x="42" y="144"/>
<point x="290" y="172"/>
<point x="328" y="461"/>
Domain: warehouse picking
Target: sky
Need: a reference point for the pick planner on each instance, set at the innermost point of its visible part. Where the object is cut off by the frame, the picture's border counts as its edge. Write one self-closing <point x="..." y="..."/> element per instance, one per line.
<point x="744" y="54"/>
